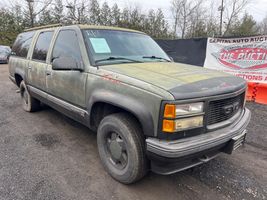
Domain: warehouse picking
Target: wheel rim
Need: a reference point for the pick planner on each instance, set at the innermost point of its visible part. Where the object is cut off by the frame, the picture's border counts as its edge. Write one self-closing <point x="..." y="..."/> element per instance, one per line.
<point x="116" y="150"/>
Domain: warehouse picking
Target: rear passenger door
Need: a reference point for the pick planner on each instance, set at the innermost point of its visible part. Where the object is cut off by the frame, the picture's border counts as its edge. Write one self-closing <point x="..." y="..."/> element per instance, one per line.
<point x="37" y="65"/>
<point x="66" y="85"/>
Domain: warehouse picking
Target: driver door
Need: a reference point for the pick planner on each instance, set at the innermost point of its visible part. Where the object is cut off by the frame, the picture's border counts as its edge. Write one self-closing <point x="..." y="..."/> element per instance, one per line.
<point x="66" y="87"/>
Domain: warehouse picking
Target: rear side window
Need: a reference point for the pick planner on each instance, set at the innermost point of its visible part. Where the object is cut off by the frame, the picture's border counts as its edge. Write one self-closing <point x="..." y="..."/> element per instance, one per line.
<point x="42" y="46"/>
<point x="22" y="44"/>
<point x="67" y="45"/>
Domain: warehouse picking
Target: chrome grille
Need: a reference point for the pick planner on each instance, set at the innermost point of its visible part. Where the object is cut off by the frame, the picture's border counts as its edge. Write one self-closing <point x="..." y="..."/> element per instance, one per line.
<point x="223" y="109"/>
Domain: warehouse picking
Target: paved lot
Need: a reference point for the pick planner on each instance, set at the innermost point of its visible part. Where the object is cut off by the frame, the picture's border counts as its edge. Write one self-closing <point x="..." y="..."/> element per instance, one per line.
<point x="45" y="155"/>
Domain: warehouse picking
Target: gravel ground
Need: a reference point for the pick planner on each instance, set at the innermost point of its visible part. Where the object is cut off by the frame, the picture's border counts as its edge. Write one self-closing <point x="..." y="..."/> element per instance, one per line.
<point x="45" y="155"/>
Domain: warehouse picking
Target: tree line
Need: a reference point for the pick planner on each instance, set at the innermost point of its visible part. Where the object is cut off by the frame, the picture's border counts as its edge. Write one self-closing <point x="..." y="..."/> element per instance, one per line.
<point x="33" y="13"/>
<point x="189" y="18"/>
<point x="200" y="18"/>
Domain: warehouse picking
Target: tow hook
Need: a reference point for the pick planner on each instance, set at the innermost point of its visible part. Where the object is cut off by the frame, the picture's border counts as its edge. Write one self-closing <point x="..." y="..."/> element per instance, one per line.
<point x="204" y="159"/>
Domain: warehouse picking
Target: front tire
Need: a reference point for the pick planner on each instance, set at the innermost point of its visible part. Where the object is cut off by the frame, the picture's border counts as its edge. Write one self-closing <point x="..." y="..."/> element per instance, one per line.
<point x="29" y="103"/>
<point x="121" y="147"/>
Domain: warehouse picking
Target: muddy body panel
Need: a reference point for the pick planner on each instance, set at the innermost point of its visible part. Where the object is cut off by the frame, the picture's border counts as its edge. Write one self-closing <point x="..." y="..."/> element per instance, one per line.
<point x="139" y="88"/>
<point x="88" y="91"/>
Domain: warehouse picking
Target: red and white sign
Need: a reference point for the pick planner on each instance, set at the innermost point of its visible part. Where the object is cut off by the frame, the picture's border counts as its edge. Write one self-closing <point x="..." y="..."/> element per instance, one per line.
<point x="243" y="57"/>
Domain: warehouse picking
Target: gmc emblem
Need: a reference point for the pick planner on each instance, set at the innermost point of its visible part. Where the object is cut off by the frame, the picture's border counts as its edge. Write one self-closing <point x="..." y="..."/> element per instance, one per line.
<point x="229" y="109"/>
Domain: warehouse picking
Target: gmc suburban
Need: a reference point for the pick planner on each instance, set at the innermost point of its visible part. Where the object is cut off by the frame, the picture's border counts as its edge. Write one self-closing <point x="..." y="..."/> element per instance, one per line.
<point x="149" y="112"/>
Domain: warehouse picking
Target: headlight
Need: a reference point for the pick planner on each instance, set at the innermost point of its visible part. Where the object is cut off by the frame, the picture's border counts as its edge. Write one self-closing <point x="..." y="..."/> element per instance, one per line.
<point x="182" y="124"/>
<point x="189" y="108"/>
<point x="172" y="111"/>
<point x="182" y="112"/>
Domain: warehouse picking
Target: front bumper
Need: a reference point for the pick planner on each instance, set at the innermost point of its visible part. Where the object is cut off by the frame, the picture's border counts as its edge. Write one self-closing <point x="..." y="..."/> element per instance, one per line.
<point x="194" y="150"/>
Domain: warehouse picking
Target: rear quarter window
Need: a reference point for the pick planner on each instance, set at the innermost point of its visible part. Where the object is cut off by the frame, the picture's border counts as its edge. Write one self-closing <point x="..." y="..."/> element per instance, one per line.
<point x="22" y="44"/>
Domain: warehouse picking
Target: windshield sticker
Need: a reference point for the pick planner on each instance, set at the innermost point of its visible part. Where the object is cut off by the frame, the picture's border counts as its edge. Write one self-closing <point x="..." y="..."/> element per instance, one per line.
<point x="100" y="45"/>
<point x="92" y="33"/>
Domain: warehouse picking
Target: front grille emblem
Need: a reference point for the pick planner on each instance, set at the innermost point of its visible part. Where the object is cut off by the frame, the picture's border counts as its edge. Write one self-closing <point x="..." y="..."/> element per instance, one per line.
<point x="229" y="109"/>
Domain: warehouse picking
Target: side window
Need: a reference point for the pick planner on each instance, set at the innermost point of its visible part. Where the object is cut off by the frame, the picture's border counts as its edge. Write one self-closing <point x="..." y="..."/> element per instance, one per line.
<point x="42" y="46"/>
<point x="22" y="44"/>
<point x="67" y="45"/>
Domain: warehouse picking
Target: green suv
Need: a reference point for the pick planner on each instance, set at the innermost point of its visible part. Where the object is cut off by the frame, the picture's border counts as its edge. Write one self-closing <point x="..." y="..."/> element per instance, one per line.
<point x="149" y="112"/>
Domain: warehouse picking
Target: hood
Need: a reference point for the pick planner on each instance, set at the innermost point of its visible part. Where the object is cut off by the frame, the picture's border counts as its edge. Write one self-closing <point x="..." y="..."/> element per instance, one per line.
<point x="181" y="80"/>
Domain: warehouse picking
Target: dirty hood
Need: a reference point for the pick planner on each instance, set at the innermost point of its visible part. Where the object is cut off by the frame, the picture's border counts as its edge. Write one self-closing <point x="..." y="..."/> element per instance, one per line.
<point x="181" y="80"/>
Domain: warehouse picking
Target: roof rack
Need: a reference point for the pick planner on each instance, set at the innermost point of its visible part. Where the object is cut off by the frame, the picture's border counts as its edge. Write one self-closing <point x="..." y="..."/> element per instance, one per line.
<point x="42" y="27"/>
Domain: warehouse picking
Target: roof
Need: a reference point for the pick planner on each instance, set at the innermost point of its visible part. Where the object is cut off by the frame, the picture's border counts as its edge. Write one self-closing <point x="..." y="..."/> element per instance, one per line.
<point x="83" y="26"/>
<point x="87" y="26"/>
<point x="43" y="27"/>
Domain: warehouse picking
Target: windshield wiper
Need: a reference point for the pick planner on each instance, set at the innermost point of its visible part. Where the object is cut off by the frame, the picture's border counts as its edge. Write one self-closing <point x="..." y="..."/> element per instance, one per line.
<point x="156" y="57"/>
<point x="117" y="58"/>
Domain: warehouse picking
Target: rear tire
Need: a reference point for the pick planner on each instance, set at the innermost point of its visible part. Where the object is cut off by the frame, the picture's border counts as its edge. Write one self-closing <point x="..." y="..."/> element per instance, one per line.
<point x="29" y="103"/>
<point x="121" y="147"/>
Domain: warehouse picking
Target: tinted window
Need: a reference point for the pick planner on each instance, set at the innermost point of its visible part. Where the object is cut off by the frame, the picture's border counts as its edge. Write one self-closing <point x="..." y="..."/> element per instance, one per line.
<point x="22" y="44"/>
<point x="42" y="46"/>
<point x="67" y="45"/>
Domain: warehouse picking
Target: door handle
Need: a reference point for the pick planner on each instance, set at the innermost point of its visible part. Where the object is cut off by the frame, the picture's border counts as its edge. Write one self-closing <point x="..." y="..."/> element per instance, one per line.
<point x="29" y="67"/>
<point x="48" y="73"/>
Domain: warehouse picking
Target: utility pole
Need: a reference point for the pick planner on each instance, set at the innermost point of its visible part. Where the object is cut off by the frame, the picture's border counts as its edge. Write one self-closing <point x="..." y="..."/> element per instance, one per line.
<point x="221" y="18"/>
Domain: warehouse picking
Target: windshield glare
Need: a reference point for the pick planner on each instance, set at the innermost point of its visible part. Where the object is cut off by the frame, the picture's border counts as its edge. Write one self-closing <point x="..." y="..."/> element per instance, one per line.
<point x="103" y="44"/>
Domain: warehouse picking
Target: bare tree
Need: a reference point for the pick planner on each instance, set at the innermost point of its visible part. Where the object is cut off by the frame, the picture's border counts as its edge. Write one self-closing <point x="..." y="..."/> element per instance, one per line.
<point x="182" y="11"/>
<point x="233" y="9"/>
<point x="77" y="11"/>
<point x="197" y="21"/>
<point x="263" y="26"/>
<point x="57" y="11"/>
<point x="33" y="9"/>
<point x="212" y="24"/>
<point x="175" y="8"/>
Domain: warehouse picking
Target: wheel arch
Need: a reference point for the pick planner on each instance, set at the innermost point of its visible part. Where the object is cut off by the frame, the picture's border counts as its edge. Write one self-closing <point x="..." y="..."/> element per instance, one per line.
<point x="19" y="76"/>
<point x="122" y="103"/>
<point x="18" y="79"/>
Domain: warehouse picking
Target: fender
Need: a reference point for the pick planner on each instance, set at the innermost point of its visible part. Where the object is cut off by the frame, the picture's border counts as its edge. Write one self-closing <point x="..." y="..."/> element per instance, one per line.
<point x="133" y="106"/>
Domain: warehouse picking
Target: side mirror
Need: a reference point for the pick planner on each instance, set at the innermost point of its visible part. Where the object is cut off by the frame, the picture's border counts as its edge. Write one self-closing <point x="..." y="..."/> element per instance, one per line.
<point x="66" y="63"/>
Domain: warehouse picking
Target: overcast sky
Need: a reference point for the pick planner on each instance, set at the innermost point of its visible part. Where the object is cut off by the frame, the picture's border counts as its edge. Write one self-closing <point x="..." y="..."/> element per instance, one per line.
<point x="257" y="8"/>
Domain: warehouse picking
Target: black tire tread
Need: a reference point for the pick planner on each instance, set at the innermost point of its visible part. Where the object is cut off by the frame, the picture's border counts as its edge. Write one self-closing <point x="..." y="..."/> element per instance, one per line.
<point x="34" y="104"/>
<point x="135" y="128"/>
<point x="136" y="131"/>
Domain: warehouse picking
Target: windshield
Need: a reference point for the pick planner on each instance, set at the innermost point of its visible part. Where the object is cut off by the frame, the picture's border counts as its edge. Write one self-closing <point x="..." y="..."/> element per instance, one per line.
<point x="113" y="46"/>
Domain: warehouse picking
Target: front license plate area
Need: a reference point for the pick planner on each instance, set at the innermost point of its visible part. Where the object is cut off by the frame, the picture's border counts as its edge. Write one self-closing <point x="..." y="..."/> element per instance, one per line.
<point x="235" y="142"/>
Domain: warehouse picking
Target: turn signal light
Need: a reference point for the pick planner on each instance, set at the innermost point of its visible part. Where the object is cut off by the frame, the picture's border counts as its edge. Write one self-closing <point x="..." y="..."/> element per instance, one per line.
<point x="168" y="126"/>
<point x="169" y="111"/>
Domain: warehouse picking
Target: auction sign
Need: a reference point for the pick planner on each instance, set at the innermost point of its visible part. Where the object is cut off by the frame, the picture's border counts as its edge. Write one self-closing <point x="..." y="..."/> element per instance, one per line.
<point x="243" y="57"/>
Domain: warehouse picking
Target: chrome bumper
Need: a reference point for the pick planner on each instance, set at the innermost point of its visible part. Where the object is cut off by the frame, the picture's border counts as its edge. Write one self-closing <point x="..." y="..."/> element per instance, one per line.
<point x="185" y="147"/>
